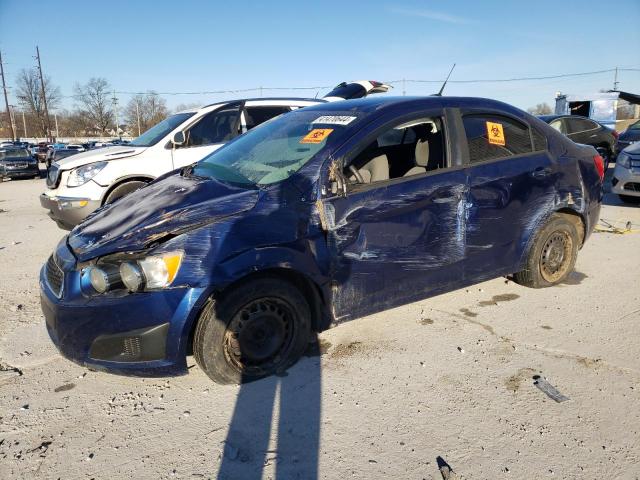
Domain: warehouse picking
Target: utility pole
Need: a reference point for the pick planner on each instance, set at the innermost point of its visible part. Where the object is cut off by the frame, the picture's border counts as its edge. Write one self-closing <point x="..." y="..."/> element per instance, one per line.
<point x="24" y="125"/>
<point x="115" y="109"/>
<point x="138" y="114"/>
<point x="44" y="96"/>
<point x="615" y="80"/>
<point x="6" y="100"/>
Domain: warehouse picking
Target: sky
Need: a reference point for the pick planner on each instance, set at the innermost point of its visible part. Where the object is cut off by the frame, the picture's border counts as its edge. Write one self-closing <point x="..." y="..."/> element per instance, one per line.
<point x="205" y="46"/>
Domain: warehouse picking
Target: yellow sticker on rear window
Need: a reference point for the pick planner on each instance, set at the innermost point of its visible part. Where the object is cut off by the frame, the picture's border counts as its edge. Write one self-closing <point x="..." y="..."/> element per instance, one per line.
<point x="317" y="135"/>
<point x="495" y="133"/>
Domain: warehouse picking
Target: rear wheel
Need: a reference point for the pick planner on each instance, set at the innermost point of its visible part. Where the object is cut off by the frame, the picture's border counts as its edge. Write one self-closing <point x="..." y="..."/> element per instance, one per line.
<point x="124" y="189"/>
<point x="552" y="255"/>
<point x="255" y="330"/>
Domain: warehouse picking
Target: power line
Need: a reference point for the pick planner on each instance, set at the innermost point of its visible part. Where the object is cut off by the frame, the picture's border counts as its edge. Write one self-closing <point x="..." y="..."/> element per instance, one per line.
<point x="391" y="82"/>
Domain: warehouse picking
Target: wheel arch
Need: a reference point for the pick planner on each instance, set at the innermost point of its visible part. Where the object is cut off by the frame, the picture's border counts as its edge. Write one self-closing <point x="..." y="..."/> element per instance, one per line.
<point x="312" y="292"/>
<point x="122" y="181"/>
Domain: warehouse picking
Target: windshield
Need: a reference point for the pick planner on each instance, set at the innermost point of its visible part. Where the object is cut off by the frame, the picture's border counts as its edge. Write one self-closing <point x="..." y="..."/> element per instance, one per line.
<point x="634" y="126"/>
<point x="14" y="154"/>
<point x="278" y="148"/>
<point x="160" y="130"/>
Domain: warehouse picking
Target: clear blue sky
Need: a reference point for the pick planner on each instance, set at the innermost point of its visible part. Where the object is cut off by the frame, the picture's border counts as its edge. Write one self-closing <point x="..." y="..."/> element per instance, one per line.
<point x="172" y="46"/>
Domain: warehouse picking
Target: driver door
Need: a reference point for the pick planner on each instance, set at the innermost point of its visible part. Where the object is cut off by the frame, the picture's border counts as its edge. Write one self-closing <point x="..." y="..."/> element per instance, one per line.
<point x="397" y="240"/>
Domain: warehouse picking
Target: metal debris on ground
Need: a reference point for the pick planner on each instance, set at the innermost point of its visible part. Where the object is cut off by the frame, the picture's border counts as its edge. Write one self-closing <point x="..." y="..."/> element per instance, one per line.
<point x="551" y="391"/>
<point x="606" y="227"/>
<point x="445" y="470"/>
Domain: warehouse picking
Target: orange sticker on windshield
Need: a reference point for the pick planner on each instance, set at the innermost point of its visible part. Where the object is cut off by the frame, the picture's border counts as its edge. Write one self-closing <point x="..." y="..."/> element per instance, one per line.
<point x="317" y="135"/>
<point x="495" y="133"/>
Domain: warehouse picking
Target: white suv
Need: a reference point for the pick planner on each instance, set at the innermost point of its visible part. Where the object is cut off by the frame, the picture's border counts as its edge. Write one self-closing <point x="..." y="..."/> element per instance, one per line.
<point x="81" y="183"/>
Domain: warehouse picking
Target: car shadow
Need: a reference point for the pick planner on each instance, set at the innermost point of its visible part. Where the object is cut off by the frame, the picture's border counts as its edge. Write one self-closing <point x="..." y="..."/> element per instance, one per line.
<point x="291" y="405"/>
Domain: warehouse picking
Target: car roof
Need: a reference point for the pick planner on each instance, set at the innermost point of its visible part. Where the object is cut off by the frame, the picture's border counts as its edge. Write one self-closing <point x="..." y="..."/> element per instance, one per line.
<point x="374" y="103"/>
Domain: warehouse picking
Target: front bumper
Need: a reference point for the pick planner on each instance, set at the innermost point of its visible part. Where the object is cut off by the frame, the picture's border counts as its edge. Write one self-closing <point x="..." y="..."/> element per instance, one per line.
<point x="67" y="212"/>
<point x="626" y="181"/>
<point x="144" y="334"/>
<point x="27" y="172"/>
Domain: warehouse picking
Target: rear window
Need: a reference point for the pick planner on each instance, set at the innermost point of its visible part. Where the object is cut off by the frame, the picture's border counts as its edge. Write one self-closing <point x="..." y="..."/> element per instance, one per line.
<point x="490" y="137"/>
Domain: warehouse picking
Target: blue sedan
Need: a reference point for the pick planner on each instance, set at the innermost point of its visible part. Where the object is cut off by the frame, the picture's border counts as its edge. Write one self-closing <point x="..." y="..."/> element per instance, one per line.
<point x="322" y="215"/>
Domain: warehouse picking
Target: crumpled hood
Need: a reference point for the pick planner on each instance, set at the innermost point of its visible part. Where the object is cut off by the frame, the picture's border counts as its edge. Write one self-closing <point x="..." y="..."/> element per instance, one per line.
<point x="99" y="155"/>
<point x="166" y="207"/>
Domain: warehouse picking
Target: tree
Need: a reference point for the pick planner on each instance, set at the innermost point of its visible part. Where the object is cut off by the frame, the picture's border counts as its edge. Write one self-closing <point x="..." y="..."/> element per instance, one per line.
<point x="540" y="109"/>
<point x="29" y="93"/>
<point x="94" y="104"/>
<point x="186" y="106"/>
<point x="145" y="110"/>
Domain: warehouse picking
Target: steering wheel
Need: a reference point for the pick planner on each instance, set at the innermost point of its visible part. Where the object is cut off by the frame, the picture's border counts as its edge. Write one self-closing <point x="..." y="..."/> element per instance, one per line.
<point x="356" y="174"/>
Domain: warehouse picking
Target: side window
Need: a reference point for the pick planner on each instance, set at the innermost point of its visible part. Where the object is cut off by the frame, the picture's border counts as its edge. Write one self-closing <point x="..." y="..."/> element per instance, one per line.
<point x="216" y="127"/>
<point x="539" y="140"/>
<point x="254" y="116"/>
<point x="403" y="150"/>
<point x="558" y="125"/>
<point x="578" y="125"/>
<point x="491" y="137"/>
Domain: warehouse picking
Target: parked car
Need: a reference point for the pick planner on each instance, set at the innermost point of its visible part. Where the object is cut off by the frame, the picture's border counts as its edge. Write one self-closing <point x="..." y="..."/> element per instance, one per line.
<point x="327" y="213"/>
<point x="586" y="131"/>
<point x="629" y="136"/>
<point x="78" y="186"/>
<point x="18" y="163"/>
<point x="76" y="147"/>
<point x="626" y="176"/>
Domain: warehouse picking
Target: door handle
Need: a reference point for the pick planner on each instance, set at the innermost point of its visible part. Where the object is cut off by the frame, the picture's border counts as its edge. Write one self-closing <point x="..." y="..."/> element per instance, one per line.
<point x="541" y="172"/>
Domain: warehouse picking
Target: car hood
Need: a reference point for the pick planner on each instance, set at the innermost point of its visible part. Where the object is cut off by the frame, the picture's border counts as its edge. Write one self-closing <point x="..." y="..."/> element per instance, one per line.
<point x="630" y="135"/>
<point x="161" y="210"/>
<point x="99" y="155"/>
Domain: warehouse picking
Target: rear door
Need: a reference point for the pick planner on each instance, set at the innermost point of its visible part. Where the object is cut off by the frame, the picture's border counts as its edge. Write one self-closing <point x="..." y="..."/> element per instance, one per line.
<point x="207" y="134"/>
<point x="511" y="187"/>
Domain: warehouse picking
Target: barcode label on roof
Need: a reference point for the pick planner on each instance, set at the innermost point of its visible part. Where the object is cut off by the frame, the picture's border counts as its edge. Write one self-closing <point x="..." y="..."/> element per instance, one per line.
<point x="334" y="120"/>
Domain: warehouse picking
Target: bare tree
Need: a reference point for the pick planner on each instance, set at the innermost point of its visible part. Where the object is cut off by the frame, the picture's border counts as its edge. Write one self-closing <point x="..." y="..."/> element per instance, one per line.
<point x="144" y="111"/>
<point x="186" y="106"/>
<point x="540" y="109"/>
<point x="29" y="93"/>
<point x="94" y="103"/>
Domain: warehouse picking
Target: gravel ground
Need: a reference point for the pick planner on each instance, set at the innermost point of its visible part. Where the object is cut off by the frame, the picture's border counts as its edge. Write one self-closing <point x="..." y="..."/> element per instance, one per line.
<point x="393" y="395"/>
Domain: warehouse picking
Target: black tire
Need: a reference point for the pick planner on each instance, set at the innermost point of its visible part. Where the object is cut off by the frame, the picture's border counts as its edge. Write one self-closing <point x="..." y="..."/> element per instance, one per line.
<point x="629" y="199"/>
<point x="124" y="189"/>
<point x="552" y="255"/>
<point x="260" y="328"/>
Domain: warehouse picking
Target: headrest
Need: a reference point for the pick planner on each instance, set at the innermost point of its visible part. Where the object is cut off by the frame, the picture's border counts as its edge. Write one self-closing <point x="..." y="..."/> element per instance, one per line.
<point x="422" y="153"/>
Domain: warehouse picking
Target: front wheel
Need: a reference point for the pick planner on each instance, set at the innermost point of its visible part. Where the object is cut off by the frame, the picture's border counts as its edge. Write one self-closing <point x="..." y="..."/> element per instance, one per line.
<point x="124" y="189"/>
<point x="253" y="331"/>
<point x="552" y="255"/>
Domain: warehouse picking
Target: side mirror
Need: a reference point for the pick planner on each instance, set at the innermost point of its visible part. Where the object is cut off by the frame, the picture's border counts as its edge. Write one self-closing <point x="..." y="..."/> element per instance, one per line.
<point x="178" y="139"/>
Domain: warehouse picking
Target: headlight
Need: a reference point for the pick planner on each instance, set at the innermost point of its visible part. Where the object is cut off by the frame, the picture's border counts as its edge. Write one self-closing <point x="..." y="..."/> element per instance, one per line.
<point x="82" y="175"/>
<point x="624" y="160"/>
<point x="146" y="273"/>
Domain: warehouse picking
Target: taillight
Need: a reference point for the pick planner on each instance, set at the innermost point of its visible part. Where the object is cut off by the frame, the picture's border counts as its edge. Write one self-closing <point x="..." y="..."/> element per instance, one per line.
<point x="598" y="161"/>
<point x="615" y="134"/>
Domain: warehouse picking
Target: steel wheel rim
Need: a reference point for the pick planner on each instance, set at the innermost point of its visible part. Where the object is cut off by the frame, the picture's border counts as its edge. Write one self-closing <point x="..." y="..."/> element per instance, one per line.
<point x="556" y="256"/>
<point x="260" y="336"/>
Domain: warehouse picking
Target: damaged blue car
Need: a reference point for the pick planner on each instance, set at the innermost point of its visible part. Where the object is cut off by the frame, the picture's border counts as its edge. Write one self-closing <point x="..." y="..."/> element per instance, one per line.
<point x="322" y="215"/>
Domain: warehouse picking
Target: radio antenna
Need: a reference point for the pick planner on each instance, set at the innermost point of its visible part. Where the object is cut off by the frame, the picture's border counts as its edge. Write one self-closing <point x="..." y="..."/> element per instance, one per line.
<point x="439" y="94"/>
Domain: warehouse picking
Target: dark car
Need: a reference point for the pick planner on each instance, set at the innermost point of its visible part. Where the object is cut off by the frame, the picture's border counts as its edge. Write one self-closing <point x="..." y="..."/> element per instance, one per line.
<point x="628" y="136"/>
<point x="327" y="213"/>
<point x="18" y="163"/>
<point x="586" y="131"/>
